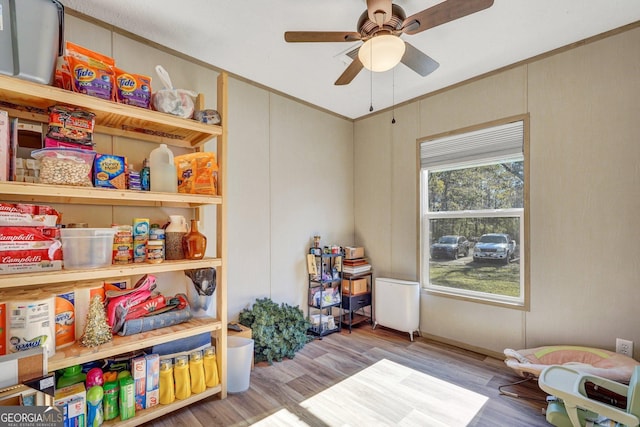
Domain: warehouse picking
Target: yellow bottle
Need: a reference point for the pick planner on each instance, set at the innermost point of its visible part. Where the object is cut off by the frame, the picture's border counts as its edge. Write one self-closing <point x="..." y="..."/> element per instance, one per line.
<point x="167" y="386"/>
<point x="196" y="370"/>
<point x="211" y="378"/>
<point x="181" y="376"/>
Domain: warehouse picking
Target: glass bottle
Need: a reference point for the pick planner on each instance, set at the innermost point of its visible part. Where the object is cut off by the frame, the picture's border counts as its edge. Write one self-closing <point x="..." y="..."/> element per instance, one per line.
<point x="194" y="243"/>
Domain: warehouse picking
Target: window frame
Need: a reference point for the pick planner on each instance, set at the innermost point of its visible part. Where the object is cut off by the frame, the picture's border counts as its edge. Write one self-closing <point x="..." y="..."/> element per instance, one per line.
<point x="423" y="238"/>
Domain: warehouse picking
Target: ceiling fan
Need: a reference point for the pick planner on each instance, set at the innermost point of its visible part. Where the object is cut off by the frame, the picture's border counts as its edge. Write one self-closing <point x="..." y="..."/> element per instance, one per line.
<point x="384" y="20"/>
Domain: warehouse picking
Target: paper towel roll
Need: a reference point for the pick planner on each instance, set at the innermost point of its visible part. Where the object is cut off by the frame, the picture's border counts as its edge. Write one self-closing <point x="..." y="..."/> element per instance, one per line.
<point x="65" y="306"/>
<point x="32" y="323"/>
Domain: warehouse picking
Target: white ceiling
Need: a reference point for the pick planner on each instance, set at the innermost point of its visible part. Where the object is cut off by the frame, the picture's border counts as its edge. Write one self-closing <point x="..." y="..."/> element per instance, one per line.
<point x="245" y="38"/>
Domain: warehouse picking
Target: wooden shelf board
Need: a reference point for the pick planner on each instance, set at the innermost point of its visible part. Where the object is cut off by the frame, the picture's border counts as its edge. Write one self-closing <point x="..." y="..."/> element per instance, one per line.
<point x="44" y="193"/>
<point x="157" y="411"/>
<point x="123" y="270"/>
<point x="77" y="354"/>
<point x="356" y="319"/>
<point x="111" y="118"/>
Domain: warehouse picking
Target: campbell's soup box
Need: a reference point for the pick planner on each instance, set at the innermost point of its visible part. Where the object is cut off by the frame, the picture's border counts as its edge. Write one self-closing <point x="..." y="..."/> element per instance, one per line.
<point x="28" y="249"/>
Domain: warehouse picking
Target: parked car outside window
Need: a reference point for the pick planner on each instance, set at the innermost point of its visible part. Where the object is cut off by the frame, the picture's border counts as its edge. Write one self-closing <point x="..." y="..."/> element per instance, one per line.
<point x="450" y="247"/>
<point x="495" y="246"/>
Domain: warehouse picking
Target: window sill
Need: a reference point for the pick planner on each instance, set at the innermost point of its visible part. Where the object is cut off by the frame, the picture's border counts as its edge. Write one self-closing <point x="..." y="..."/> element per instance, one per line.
<point x="479" y="298"/>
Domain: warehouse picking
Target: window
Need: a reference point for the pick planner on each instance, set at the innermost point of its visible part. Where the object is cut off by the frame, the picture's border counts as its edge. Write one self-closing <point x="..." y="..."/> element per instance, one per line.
<point x="472" y="189"/>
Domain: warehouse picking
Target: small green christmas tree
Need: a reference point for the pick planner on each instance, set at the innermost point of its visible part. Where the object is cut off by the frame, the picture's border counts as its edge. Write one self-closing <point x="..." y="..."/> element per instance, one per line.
<point x="97" y="330"/>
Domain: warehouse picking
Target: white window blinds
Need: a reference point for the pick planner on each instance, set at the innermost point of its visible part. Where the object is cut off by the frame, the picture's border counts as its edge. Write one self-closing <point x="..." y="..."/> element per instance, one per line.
<point x="493" y="144"/>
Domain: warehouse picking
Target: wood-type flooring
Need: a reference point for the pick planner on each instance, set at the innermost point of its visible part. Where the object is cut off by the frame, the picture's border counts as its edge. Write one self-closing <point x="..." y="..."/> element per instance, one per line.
<point x="326" y="384"/>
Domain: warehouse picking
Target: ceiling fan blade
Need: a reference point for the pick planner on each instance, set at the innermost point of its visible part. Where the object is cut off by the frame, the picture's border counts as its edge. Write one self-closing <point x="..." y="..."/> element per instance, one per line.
<point x="321" y="36"/>
<point x="442" y="13"/>
<point x="418" y="61"/>
<point x="350" y="73"/>
<point x="381" y="8"/>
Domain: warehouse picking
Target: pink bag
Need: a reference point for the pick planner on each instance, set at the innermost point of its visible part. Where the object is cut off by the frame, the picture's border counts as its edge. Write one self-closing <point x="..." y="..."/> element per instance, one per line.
<point x="119" y="302"/>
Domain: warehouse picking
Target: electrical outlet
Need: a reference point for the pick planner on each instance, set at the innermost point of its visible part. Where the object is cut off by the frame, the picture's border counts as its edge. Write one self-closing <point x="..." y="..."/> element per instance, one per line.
<point x="624" y="347"/>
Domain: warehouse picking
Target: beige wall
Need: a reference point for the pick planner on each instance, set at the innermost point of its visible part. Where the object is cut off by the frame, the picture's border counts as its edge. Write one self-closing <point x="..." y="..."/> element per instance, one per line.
<point x="584" y="157"/>
<point x="290" y="177"/>
<point x="295" y="171"/>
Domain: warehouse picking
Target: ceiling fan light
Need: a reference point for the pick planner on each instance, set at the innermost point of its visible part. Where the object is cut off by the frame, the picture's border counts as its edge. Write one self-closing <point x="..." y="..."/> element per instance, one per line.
<point x="381" y="53"/>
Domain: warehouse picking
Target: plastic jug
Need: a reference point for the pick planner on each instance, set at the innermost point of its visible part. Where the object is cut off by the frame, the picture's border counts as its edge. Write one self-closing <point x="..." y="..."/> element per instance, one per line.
<point x="95" y="412"/>
<point x="70" y="376"/>
<point x="162" y="170"/>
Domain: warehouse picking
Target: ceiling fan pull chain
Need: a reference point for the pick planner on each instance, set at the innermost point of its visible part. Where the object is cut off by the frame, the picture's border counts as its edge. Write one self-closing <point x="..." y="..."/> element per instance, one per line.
<point x="393" y="97"/>
<point x="371" y="83"/>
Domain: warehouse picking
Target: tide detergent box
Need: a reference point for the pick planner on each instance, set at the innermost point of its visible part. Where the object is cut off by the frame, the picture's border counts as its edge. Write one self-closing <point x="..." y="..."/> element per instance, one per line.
<point x="153" y="380"/>
<point x="139" y="374"/>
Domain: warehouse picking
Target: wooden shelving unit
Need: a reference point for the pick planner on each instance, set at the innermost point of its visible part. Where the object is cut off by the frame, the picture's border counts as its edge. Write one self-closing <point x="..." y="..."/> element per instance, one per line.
<point x="77" y="354"/>
<point x="123" y="270"/>
<point x="45" y="193"/>
<point x="160" y="410"/>
<point x="30" y="101"/>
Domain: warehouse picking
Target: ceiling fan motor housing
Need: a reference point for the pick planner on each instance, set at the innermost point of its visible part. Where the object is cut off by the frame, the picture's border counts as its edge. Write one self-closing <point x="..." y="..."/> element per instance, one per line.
<point x="369" y="28"/>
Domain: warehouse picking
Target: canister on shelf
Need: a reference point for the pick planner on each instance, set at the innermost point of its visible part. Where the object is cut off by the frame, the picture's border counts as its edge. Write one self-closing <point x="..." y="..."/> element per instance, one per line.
<point x="140" y="238"/>
<point x="182" y="378"/>
<point x="110" y="400"/>
<point x="196" y="372"/>
<point x="155" y="251"/>
<point x="174" y="233"/>
<point x="211" y="377"/>
<point x="167" y="385"/>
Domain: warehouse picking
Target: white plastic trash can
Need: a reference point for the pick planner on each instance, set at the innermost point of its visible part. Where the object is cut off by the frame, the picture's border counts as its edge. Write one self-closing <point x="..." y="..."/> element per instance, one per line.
<point x="239" y="355"/>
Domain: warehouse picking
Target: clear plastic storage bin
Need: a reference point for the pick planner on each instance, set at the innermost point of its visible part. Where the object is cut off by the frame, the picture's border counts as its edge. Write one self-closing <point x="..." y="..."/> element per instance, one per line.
<point x="87" y="247"/>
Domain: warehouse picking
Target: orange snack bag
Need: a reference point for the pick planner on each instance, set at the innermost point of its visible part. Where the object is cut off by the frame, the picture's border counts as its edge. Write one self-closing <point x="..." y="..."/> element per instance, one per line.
<point x="206" y="181"/>
<point x="197" y="173"/>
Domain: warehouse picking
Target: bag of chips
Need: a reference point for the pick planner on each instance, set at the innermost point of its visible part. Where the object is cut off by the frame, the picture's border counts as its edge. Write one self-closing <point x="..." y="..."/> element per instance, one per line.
<point x="197" y="173"/>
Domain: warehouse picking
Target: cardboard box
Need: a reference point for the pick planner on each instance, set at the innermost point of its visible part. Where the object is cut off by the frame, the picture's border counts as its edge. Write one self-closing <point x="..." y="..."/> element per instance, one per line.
<point x="110" y="171"/>
<point x="153" y="380"/>
<point x="139" y="374"/>
<point x="357" y="286"/>
<point x="5" y="146"/>
<point x="73" y="399"/>
<point x="351" y="252"/>
<point x="74" y="412"/>
<point x="26" y="249"/>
